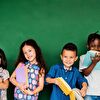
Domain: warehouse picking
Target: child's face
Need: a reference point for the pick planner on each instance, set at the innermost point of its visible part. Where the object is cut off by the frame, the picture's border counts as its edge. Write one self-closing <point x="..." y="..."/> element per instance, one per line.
<point x="29" y="53"/>
<point x="68" y="58"/>
<point x="95" y="45"/>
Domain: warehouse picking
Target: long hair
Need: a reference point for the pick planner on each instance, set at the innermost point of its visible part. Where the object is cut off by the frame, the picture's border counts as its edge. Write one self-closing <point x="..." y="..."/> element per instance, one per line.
<point x="3" y="63"/>
<point x="39" y="57"/>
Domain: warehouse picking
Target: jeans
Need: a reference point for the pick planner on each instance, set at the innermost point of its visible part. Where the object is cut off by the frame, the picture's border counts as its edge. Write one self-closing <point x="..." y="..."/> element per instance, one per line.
<point x="91" y="97"/>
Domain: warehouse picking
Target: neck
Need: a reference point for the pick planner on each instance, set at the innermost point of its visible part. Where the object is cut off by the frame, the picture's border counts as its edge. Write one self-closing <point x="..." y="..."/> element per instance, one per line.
<point x="34" y="62"/>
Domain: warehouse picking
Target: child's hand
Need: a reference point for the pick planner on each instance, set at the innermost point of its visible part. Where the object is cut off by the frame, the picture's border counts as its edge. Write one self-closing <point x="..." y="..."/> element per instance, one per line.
<point x="83" y="91"/>
<point x="22" y="87"/>
<point x="56" y="82"/>
<point x="28" y="92"/>
<point x="96" y="58"/>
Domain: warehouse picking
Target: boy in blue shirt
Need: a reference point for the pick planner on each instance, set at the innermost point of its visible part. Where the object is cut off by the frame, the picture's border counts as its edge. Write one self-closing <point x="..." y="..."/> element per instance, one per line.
<point x="68" y="72"/>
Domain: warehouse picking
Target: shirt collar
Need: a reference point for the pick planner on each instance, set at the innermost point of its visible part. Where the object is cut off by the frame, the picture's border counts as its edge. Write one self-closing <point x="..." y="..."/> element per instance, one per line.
<point x="68" y="68"/>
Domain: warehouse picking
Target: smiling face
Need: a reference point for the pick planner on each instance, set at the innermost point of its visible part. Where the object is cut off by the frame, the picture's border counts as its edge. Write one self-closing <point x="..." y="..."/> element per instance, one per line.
<point x="68" y="58"/>
<point x="95" y="45"/>
<point x="29" y="53"/>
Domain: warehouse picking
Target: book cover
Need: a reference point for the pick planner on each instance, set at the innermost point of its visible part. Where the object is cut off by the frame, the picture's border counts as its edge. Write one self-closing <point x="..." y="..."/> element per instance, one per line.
<point x="22" y="74"/>
<point x="88" y="59"/>
<point x="73" y="93"/>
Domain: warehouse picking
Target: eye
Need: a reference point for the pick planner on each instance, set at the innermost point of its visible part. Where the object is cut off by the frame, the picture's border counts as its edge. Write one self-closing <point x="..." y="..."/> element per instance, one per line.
<point x="71" y="57"/>
<point x="30" y="50"/>
<point x="65" y="56"/>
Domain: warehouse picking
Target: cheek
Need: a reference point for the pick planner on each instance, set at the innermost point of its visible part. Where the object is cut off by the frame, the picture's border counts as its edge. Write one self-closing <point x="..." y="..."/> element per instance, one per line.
<point x="73" y="60"/>
<point x="34" y="54"/>
<point x="25" y="56"/>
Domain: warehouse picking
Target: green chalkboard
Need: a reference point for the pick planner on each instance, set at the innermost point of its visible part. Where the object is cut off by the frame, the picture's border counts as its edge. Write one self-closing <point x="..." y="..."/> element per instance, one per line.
<point x="52" y="23"/>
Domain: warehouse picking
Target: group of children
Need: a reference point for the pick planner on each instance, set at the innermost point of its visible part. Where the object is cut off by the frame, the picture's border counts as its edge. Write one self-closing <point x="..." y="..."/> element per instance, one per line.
<point x="29" y="76"/>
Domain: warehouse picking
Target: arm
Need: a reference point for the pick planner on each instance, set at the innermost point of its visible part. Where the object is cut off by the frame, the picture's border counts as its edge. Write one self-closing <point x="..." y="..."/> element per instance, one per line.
<point x="14" y="81"/>
<point x="39" y="88"/>
<point x="4" y="84"/>
<point x="52" y="81"/>
<point x="83" y="89"/>
<point x="50" y="77"/>
<point x="41" y="84"/>
<point x="89" y="69"/>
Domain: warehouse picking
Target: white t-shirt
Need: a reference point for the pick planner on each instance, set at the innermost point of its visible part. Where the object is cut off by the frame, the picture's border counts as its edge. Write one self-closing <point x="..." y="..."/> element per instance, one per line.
<point x="93" y="79"/>
<point x="5" y="75"/>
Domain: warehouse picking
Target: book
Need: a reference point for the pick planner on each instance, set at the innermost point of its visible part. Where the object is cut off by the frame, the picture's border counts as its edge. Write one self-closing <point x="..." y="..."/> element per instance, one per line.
<point x="88" y="59"/>
<point x="22" y="74"/>
<point x="73" y="93"/>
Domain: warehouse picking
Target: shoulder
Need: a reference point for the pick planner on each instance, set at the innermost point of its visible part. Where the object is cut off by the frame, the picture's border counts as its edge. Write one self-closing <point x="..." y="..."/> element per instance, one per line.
<point x="56" y="66"/>
<point x="6" y="74"/>
<point x="82" y="56"/>
<point x="20" y="64"/>
<point x="5" y="71"/>
<point x="75" y="69"/>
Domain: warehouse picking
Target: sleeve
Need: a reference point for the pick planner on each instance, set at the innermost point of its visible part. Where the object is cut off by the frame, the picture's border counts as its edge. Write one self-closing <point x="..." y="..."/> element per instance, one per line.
<point x="52" y="72"/>
<point x="6" y="74"/>
<point x="81" y="66"/>
<point x="81" y="79"/>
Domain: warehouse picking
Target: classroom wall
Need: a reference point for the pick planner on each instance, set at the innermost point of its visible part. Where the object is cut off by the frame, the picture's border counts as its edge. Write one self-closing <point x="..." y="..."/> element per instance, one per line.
<point x="52" y="23"/>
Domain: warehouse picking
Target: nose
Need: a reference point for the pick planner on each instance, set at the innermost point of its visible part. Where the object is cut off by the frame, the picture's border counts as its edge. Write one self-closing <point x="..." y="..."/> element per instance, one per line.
<point x="68" y="59"/>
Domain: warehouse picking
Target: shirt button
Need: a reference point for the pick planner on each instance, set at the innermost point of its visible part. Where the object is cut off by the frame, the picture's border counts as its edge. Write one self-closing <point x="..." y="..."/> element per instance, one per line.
<point x="65" y="77"/>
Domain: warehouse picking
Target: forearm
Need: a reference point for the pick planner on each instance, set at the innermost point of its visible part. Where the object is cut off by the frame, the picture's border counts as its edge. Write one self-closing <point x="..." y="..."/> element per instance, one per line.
<point x="4" y="85"/>
<point x="38" y="89"/>
<point x="88" y="70"/>
<point x="50" y="80"/>
<point x="14" y="82"/>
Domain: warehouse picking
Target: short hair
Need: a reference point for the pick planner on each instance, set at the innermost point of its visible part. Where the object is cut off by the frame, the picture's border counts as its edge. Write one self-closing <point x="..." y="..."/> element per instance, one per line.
<point x="70" y="46"/>
<point x="92" y="37"/>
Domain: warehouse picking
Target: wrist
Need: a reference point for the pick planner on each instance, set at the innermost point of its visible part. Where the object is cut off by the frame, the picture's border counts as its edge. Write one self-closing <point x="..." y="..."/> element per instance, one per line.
<point x="84" y="88"/>
<point x="55" y="82"/>
<point x="18" y="85"/>
<point x="1" y="80"/>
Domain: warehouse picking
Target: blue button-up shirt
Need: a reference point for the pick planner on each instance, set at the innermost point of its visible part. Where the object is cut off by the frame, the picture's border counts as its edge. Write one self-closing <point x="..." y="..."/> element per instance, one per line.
<point x="72" y="77"/>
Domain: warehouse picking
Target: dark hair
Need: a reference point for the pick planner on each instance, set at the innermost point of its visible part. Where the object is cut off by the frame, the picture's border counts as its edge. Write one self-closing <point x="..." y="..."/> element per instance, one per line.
<point x="92" y="37"/>
<point x="3" y="59"/>
<point x="70" y="46"/>
<point x="39" y="57"/>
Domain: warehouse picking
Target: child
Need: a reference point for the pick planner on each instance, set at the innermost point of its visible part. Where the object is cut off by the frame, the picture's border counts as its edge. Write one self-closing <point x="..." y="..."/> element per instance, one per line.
<point x="4" y="76"/>
<point x="90" y="66"/>
<point x="68" y="72"/>
<point x="30" y="57"/>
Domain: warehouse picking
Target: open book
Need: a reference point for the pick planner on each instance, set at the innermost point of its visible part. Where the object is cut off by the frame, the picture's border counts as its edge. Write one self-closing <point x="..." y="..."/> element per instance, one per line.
<point x="73" y="93"/>
<point x="22" y="74"/>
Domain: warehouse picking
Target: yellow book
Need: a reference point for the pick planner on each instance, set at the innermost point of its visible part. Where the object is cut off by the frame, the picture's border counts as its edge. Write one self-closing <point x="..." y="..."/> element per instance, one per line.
<point x="74" y="94"/>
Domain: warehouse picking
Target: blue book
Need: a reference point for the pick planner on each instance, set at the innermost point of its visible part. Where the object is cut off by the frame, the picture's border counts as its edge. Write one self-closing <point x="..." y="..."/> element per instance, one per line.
<point x="88" y="59"/>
